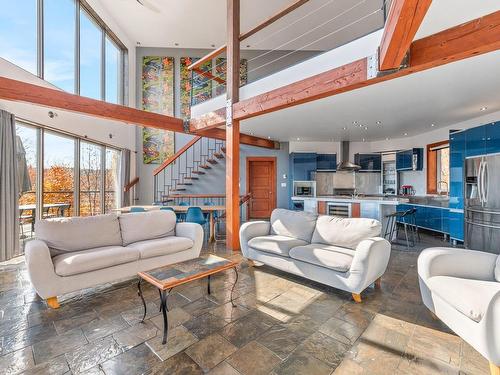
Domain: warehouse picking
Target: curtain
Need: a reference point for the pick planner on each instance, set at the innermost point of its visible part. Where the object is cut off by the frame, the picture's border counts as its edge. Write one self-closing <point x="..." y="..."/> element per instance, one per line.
<point x="9" y="189"/>
<point x="125" y="177"/>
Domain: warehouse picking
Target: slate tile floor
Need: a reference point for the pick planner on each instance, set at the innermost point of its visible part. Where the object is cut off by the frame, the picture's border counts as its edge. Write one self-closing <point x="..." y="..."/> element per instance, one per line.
<point x="282" y="325"/>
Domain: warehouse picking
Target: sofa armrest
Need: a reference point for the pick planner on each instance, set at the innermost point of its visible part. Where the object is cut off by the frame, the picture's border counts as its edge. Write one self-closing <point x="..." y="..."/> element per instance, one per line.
<point x="491" y="329"/>
<point x="250" y="230"/>
<point x="192" y="231"/>
<point x="446" y="261"/>
<point x="40" y="268"/>
<point x="370" y="261"/>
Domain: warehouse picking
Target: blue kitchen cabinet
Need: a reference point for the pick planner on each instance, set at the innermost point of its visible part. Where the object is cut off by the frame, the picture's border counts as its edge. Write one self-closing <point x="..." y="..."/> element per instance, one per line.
<point x="457" y="162"/>
<point x="302" y="164"/>
<point x="456" y="224"/>
<point x="410" y="160"/>
<point x="475" y="139"/>
<point x="326" y="162"/>
<point x="369" y="162"/>
<point x="445" y="220"/>
<point x="493" y="138"/>
<point x="427" y="217"/>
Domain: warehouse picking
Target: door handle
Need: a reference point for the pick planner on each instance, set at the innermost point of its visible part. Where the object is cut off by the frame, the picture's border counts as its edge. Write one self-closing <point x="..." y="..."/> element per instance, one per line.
<point x="485" y="181"/>
<point x="479" y="182"/>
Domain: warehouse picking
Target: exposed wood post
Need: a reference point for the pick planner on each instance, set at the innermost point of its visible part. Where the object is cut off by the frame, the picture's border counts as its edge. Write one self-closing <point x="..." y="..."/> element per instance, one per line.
<point x="494" y="369"/>
<point x="52" y="302"/>
<point x="233" y="126"/>
<point x="356" y="297"/>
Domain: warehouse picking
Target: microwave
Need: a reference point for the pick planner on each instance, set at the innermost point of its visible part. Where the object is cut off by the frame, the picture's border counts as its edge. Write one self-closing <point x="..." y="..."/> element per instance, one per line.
<point x="304" y="188"/>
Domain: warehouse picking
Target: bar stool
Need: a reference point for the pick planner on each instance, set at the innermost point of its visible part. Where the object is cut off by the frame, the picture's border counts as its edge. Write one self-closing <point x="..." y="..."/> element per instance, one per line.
<point x="408" y="219"/>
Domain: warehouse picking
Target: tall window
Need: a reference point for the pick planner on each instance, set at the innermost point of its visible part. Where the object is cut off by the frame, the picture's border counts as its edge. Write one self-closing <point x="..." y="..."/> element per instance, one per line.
<point x="90" y="178"/>
<point x="438" y="168"/>
<point x="18" y="33"/>
<point x="58" y="175"/>
<point x="112" y="194"/>
<point x="113" y="71"/>
<point x="90" y="57"/>
<point x="59" y="43"/>
<point x="43" y="37"/>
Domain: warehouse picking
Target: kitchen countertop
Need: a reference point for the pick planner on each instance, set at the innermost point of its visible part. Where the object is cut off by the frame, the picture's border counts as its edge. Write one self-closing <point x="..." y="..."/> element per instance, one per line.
<point x="430" y="201"/>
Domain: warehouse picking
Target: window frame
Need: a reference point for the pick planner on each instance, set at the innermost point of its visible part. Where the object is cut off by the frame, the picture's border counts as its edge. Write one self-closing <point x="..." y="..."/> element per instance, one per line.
<point x="432" y="165"/>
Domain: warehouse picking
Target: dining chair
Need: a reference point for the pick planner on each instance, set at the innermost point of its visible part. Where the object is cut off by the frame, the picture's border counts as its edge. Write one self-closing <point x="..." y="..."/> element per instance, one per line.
<point x="137" y="209"/>
<point x="195" y="215"/>
<point x="182" y="216"/>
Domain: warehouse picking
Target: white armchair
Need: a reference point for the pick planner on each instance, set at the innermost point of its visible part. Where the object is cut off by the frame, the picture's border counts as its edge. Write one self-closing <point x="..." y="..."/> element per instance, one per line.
<point x="460" y="288"/>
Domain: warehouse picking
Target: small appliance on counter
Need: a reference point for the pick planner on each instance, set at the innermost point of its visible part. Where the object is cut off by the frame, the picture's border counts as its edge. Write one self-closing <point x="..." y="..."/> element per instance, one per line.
<point x="389" y="174"/>
<point x="407" y="190"/>
<point x="304" y="188"/>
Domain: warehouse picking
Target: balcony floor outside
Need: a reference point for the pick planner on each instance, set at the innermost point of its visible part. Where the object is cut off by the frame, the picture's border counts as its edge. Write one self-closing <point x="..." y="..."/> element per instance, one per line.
<point x="282" y="325"/>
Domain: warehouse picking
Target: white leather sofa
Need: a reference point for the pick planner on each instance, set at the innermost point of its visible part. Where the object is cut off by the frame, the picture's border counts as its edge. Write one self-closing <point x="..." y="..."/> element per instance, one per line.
<point x="462" y="288"/>
<point x="70" y="254"/>
<point x="345" y="253"/>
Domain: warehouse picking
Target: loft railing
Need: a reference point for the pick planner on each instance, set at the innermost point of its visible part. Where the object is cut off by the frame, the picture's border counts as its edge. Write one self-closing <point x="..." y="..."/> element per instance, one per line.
<point x="186" y="167"/>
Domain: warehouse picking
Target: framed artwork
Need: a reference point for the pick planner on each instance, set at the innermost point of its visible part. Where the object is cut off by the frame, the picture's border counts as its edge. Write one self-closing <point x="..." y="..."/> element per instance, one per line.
<point x="196" y="92"/>
<point x="220" y="71"/>
<point x="158" y="97"/>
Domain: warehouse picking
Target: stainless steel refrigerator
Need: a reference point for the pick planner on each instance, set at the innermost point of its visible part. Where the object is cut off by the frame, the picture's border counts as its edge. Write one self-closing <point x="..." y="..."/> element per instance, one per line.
<point x="482" y="203"/>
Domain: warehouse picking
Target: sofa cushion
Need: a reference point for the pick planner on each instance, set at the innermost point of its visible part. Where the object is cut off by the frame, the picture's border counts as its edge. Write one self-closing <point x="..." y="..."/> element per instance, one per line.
<point x="162" y="246"/>
<point x="147" y="225"/>
<point x="470" y="297"/>
<point x="344" y="232"/>
<point x="296" y="224"/>
<point x="63" y="235"/>
<point x="333" y="257"/>
<point x="497" y="269"/>
<point x="78" y="262"/>
<point x="275" y="244"/>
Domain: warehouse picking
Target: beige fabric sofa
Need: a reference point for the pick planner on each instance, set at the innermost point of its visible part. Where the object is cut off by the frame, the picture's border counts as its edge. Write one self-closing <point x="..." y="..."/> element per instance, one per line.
<point x="70" y="254"/>
<point x="340" y="252"/>
<point x="462" y="288"/>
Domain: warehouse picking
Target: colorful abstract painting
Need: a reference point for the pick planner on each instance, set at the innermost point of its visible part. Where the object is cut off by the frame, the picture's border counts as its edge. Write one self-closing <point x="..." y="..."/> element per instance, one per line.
<point x="220" y="71"/>
<point x="200" y="88"/>
<point x="158" y="97"/>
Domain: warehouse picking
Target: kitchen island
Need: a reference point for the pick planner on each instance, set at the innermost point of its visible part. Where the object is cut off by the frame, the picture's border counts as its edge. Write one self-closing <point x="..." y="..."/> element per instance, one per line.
<point x="373" y="207"/>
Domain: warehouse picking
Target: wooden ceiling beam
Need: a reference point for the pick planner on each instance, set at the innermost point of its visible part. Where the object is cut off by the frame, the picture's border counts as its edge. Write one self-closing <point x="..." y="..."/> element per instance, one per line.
<point x="28" y="93"/>
<point x="280" y="14"/>
<point x="476" y="37"/>
<point x="403" y="22"/>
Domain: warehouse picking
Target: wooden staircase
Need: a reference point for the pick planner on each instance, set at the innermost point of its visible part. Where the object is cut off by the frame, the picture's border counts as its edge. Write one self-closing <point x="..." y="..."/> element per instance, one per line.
<point x="187" y="167"/>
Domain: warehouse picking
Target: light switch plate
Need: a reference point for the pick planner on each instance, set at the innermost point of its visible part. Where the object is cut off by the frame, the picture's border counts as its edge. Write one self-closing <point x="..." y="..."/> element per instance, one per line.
<point x="283" y="184"/>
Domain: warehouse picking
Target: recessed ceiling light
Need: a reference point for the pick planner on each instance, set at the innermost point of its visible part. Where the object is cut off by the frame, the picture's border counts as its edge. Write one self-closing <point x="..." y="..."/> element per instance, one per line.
<point x="248" y="45"/>
<point x="251" y="133"/>
<point x="387" y="139"/>
<point x="432" y="125"/>
<point x="138" y="43"/>
<point x="363" y="139"/>
<point x="298" y="139"/>
<point x="268" y="137"/>
<point x="212" y="45"/>
<point x="176" y="44"/>
<point x="379" y="122"/>
<point x="484" y="108"/>
<point x="366" y="127"/>
<point x="344" y="128"/>
<point x="405" y="134"/>
<point x="354" y="122"/>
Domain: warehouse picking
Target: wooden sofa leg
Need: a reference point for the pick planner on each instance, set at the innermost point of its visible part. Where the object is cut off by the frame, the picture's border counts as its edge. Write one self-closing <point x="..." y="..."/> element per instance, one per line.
<point x="52" y="302"/>
<point x="494" y="369"/>
<point x="356" y="297"/>
<point x="378" y="283"/>
<point x="250" y="263"/>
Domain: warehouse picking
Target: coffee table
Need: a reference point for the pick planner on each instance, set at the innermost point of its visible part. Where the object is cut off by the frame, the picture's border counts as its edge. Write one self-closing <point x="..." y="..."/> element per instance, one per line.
<point x="167" y="277"/>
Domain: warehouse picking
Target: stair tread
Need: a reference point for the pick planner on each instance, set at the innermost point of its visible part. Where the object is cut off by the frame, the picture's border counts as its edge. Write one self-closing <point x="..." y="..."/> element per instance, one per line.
<point x="212" y="161"/>
<point x="178" y="189"/>
<point x="219" y="155"/>
<point x="191" y="178"/>
<point x="198" y="172"/>
<point x="205" y="166"/>
<point x="185" y="183"/>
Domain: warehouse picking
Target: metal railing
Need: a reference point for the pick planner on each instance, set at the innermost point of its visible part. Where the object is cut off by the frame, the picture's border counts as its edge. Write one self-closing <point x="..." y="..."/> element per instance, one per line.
<point x="187" y="166"/>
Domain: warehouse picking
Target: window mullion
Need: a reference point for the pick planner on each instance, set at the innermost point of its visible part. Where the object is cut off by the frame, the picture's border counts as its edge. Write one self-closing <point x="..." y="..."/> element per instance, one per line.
<point x="103" y="64"/>
<point x="103" y="180"/>
<point x="76" y="183"/>
<point x="39" y="40"/>
<point x="77" y="47"/>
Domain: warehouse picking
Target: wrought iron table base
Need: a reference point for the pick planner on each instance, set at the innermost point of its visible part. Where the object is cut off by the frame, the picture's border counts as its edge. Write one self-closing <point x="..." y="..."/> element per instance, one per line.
<point x="163" y="302"/>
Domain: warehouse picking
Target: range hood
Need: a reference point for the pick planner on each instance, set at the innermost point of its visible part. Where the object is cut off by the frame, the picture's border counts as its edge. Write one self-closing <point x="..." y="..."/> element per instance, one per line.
<point x="345" y="164"/>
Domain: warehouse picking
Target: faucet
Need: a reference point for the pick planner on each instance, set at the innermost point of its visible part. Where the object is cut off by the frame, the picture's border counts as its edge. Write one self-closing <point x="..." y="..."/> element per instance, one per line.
<point x="354" y="194"/>
<point x="439" y="183"/>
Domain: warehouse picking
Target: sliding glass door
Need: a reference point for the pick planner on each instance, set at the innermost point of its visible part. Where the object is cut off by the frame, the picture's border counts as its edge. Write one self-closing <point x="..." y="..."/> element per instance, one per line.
<point x="58" y="175"/>
<point x="77" y="177"/>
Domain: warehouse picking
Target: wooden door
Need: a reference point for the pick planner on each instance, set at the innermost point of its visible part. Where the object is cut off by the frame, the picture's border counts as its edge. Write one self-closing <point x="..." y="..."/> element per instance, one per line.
<point x="261" y="184"/>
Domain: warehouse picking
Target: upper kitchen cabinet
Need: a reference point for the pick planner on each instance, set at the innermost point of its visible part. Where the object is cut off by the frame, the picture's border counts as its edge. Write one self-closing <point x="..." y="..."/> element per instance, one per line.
<point x="457" y="158"/>
<point x="326" y="162"/>
<point x="369" y="162"/>
<point x="493" y="138"/>
<point x="410" y="160"/>
<point x="302" y="164"/>
<point x="476" y="141"/>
